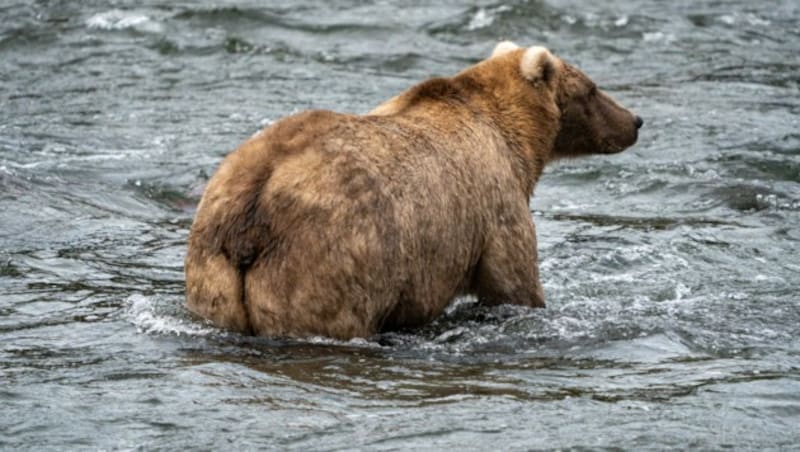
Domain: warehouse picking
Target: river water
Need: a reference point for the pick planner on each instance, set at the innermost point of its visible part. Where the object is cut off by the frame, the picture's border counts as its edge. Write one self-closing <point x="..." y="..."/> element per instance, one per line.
<point x="672" y="271"/>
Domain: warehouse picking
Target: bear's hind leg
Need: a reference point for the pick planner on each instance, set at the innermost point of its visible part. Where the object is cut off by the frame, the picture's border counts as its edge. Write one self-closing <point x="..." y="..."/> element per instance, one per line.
<point x="214" y="290"/>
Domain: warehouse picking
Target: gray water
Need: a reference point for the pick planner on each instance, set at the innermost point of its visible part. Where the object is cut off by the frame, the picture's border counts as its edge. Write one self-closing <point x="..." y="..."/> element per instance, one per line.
<point x="671" y="271"/>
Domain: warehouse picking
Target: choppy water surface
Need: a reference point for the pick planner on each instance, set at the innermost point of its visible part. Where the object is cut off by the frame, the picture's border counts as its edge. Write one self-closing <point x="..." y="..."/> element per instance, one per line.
<point x="671" y="271"/>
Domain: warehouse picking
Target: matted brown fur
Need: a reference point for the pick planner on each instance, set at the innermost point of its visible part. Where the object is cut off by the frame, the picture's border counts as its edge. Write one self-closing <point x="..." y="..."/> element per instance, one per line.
<point x="343" y="225"/>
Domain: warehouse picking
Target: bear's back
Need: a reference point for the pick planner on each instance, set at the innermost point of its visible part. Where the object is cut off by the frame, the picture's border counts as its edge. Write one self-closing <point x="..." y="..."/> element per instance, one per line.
<point x="349" y="209"/>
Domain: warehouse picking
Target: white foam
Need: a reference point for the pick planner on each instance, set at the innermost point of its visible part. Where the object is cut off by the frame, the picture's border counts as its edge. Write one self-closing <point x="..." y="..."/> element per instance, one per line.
<point x="750" y="18"/>
<point x="485" y="17"/>
<point x="761" y="278"/>
<point x="143" y="312"/>
<point x="646" y="349"/>
<point x="66" y="161"/>
<point x="481" y="19"/>
<point x="657" y="36"/>
<point x="4" y="169"/>
<point x="116" y="19"/>
<point x="681" y="291"/>
<point x="623" y="278"/>
<point x="753" y="19"/>
<point x="358" y="342"/>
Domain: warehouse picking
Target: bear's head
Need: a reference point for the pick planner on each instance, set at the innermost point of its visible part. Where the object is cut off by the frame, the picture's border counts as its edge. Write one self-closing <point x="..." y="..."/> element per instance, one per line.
<point x="590" y="121"/>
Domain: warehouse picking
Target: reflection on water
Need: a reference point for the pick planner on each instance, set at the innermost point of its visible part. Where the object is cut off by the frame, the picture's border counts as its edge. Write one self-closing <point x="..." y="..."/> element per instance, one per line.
<point x="670" y="269"/>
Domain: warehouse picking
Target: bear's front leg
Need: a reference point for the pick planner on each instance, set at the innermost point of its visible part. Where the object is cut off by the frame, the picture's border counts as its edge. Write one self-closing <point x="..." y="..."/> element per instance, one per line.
<point x="508" y="270"/>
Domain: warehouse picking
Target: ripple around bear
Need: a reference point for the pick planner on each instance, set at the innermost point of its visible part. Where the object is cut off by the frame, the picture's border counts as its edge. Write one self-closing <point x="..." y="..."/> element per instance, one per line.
<point x="344" y="225"/>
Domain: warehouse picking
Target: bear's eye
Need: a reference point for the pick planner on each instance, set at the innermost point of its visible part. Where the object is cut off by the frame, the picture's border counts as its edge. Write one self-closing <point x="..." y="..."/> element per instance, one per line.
<point x="593" y="90"/>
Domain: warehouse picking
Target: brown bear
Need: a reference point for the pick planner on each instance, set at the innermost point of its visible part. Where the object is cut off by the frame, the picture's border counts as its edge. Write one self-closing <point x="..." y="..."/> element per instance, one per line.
<point x="347" y="225"/>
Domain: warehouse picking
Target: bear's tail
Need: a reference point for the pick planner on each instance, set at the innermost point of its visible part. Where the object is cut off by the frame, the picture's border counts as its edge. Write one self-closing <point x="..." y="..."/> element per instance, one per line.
<point x="230" y="229"/>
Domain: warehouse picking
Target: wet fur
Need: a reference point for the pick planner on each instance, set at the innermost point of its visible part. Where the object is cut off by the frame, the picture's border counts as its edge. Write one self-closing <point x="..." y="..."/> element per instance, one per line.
<point x="343" y="226"/>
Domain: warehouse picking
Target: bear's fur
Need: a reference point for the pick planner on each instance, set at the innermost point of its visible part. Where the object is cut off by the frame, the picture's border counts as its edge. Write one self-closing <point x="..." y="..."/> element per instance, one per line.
<point x="344" y="226"/>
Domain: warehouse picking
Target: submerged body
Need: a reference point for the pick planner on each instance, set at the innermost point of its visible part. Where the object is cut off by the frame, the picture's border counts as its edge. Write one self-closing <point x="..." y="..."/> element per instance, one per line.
<point x="344" y="226"/>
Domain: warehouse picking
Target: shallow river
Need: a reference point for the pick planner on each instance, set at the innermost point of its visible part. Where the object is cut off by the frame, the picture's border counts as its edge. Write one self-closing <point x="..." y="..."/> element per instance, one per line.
<point x="672" y="271"/>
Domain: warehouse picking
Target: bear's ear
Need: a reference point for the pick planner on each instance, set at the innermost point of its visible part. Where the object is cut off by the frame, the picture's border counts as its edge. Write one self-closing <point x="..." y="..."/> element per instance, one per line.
<point x="503" y="47"/>
<point x="538" y="64"/>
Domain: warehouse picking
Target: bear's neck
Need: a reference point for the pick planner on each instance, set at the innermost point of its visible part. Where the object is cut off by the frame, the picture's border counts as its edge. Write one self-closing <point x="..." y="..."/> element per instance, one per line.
<point x="528" y="126"/>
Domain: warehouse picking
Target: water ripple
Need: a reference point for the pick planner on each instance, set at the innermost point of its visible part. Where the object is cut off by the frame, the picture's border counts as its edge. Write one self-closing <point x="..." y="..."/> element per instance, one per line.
<point x="669" y="270"/>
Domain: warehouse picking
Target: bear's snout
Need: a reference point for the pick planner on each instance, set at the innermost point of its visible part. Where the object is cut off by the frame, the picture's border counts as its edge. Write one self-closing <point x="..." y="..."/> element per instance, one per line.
<point x="638" y="122"/>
